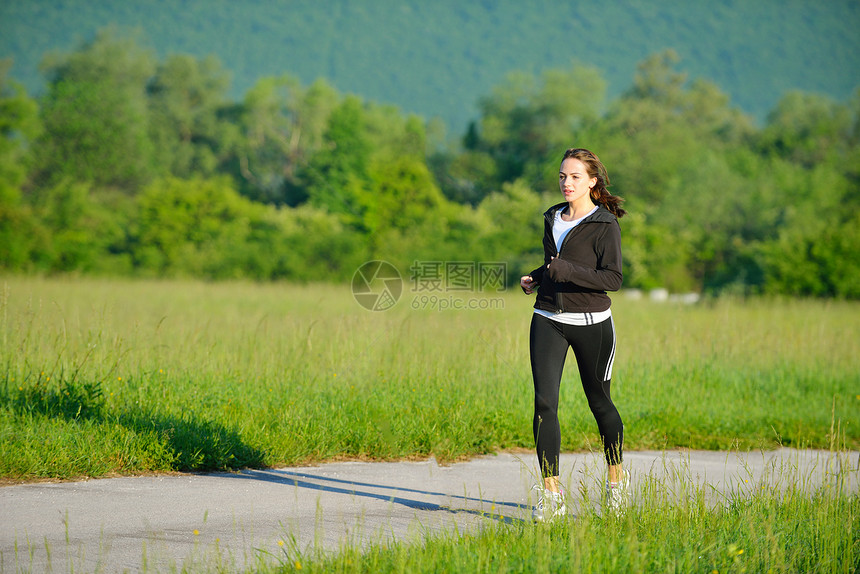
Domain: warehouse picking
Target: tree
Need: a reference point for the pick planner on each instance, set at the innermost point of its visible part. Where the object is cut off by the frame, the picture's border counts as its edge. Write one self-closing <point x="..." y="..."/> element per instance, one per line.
<point x="19" y="126"/>
<point x="185" y="98"/>
<point x="95" y="115"/>
<point x="86" y="232"/>
<point x="527" y="123"/>
<point x="814" y="251"/>
<point x="402" y="195"/>
<point x="178" y="221"/>
<point x="807" y="128"/>
<point x="338" y="174"/>
<point x="283" y="124"/>
<point x="667" y="144"/>
<point x="515" y="226"/>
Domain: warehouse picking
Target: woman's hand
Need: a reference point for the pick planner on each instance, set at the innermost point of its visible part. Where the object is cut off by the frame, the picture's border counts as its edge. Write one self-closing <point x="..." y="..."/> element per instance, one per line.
<point x="528" y="284"/>
<point x="558" y="269"/>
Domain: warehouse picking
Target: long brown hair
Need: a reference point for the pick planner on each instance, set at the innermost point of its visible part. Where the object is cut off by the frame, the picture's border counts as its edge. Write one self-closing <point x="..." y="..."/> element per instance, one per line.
<point x="595" y="168"/>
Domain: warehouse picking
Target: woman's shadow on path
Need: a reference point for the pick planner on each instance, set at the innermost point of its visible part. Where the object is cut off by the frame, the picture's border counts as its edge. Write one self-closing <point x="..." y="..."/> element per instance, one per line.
<point x="363" y="489"/>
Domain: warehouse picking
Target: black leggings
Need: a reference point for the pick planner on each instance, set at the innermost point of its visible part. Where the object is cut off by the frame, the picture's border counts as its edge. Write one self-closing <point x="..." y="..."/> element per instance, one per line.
<point x="594" y="348"/>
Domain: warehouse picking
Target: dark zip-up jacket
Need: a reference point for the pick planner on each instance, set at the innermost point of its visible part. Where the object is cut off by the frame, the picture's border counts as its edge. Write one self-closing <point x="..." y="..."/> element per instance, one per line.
<point x="586" y="267"/>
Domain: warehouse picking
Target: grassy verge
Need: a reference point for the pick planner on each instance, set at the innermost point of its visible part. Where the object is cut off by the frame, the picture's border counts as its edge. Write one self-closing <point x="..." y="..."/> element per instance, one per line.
<point x="763" y="534"/>
<point x="108" y="376"/>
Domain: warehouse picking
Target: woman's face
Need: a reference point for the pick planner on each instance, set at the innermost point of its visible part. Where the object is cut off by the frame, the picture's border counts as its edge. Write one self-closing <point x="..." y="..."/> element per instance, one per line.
<point x="573" y="180"/>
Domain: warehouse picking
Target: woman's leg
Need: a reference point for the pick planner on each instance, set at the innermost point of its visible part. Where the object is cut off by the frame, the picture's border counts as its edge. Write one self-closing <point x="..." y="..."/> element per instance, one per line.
<point x="594" y="347"/>
<point x="548" y="350"/>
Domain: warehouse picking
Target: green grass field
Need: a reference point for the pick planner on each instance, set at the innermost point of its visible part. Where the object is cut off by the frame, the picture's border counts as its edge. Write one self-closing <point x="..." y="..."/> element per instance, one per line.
<point x="107" y="376"/>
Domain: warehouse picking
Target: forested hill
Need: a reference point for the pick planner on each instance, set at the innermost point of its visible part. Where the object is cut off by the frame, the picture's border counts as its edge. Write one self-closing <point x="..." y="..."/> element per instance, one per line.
<point x="438" y="58"/>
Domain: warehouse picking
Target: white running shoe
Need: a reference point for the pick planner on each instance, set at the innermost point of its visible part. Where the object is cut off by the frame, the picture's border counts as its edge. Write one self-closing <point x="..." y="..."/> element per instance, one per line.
<point x="550" y="505"/>
<point x="618" y="495"/>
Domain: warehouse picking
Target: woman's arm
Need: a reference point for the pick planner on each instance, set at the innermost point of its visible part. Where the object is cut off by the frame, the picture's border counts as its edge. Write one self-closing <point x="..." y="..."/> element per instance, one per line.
<point x="606" y="276"/>
<point x="536" y="275"/>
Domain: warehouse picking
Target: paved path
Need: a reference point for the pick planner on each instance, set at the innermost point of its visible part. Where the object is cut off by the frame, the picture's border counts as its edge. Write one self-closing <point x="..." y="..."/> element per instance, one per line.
<point x="165" y="522"/>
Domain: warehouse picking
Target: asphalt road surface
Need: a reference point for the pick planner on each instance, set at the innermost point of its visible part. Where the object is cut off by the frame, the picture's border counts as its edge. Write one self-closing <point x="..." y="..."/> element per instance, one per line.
<point x="161" y="523"/>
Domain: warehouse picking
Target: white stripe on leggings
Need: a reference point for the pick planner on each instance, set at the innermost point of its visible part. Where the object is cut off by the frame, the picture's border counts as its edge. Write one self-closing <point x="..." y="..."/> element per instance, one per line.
<point x="611" y="354"/>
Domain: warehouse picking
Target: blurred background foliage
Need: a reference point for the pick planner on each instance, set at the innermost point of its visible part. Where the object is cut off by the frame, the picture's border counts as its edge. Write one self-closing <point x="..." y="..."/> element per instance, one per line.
<point x="438" y="58"/>
<point x="133" y="164"/>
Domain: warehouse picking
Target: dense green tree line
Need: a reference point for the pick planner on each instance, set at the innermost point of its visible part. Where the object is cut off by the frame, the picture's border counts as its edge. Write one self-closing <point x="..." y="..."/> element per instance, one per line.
<point x="130" y="165"/>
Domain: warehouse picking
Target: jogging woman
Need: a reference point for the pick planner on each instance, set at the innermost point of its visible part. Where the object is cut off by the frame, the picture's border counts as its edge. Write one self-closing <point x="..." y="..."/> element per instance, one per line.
<point x="582" y="261"/>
